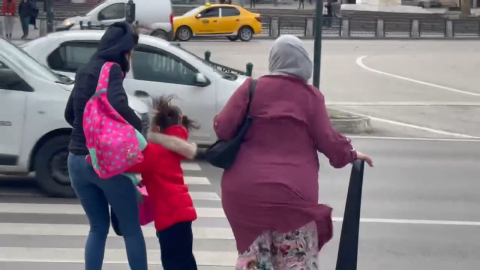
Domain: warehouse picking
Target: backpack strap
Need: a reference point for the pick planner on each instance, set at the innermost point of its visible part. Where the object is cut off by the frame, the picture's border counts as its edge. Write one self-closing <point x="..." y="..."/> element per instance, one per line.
<point x="103" y="78"/>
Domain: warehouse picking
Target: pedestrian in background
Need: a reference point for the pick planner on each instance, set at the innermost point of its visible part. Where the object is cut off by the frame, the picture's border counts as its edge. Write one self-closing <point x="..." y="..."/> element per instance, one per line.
<point x="9" y="8"/>
<point x="270" y="194"/>
<point x="33" y="18"/>
<point x="25" y="11"/>
<point x="301" y="4"/>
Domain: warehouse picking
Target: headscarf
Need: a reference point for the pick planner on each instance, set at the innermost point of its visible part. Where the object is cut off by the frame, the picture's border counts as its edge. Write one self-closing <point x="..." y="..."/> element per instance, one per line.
<point x="289" y="57"/>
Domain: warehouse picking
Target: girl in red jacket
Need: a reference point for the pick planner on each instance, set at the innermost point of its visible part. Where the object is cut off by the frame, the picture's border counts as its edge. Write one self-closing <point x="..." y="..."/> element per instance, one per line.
<point x="9" y="8"/>
<point x="162" y="175"/>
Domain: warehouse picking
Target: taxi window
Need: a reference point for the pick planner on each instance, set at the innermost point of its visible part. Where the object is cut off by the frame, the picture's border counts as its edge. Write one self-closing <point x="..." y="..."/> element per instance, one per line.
<point x="210" y="13"/>
<point x="230" y="12"/>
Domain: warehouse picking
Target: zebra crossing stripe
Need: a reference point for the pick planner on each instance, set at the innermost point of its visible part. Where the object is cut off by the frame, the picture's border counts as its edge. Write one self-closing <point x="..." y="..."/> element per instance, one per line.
<point x="32" y="229"/>
<point x="188" y="166"/>
<point x="112" y="256"/>
<point x="76" y="209"/>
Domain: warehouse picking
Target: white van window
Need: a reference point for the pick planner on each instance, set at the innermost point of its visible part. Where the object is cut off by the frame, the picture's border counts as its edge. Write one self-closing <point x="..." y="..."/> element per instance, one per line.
<point x="71" y="56"/>
<point x="161" y="67"/>
<point x="112" y="12"/>
<point x="9" y="80"/>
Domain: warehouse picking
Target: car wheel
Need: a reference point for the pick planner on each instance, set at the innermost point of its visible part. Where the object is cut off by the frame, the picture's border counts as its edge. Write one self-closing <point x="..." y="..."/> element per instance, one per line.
<point x="51" y="168"/>
<point x="245" y="33"/>
<point x="160" y="34"/>
<point x="232" y="38"/>
<point x="184" y="33"/>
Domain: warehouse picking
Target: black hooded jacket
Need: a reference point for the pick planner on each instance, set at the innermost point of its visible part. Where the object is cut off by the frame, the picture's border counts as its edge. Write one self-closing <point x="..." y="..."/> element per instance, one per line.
<point x="115" y="43"/>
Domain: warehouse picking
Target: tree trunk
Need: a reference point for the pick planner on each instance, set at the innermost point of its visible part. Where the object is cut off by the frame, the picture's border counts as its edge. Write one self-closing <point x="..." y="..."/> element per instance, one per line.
<point x="466" y="7"/>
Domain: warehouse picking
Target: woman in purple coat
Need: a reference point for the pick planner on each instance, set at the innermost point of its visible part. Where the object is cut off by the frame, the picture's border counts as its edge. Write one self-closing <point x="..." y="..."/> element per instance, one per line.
<point x="270" y="195"/>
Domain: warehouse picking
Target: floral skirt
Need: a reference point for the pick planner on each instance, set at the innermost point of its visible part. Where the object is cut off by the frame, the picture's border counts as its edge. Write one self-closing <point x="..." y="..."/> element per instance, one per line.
<point x="296" y="250"/>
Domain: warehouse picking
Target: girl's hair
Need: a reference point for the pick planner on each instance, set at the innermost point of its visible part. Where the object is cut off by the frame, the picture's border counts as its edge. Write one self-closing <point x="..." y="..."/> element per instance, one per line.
<point x="168" y="115"/>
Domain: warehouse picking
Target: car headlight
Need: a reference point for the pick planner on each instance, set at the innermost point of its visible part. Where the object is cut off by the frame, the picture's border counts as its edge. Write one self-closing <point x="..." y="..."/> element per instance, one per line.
<point x="67" y="23"/>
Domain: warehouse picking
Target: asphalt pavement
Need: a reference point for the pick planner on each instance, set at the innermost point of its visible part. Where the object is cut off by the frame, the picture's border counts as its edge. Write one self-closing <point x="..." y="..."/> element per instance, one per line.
<point x="419" y="211"/>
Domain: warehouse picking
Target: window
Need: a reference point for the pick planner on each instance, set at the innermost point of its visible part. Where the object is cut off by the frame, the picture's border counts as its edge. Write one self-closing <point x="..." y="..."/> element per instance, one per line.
<point x="158" y="66"/>
<point x="72" y="56"/>
<point x="9" y="80"/>
<point x="230" y="12"/>
<point x="112" y="12"/>
<point x="210" y="13"/>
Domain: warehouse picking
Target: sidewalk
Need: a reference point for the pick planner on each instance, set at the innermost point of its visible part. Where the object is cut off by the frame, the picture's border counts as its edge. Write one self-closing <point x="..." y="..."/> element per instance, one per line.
<point x="17" y="30"/>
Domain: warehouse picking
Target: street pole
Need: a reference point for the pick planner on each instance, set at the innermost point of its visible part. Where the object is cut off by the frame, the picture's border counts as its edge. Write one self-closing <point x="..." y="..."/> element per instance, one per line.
<point x="49" y="10"/>
<point x="317" y="46"/>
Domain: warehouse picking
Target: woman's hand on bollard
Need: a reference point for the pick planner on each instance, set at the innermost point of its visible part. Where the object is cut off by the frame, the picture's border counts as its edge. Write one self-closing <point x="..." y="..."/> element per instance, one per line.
<point x="365" y="158"/>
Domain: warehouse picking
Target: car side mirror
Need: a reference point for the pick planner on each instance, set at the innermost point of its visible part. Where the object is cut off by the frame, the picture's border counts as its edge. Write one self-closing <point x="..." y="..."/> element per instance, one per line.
<point x="198" y="16"/>
<point x="201" y="80"/>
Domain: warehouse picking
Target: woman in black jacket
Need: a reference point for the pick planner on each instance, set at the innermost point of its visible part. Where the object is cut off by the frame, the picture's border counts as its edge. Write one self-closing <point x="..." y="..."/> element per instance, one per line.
<point x="96" y="194"/>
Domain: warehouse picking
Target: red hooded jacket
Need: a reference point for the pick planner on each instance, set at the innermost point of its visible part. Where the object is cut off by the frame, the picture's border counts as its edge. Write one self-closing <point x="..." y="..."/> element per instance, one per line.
<point x="9" y="8"/>
<point x="162" y="175"/>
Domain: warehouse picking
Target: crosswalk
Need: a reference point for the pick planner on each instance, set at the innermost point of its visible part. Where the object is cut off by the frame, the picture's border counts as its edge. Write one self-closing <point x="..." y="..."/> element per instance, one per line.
<point x="51" y="235"/>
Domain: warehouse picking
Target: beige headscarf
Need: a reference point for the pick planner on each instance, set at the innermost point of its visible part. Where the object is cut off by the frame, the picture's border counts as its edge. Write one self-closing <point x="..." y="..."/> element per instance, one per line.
<point x="289" y="57"/>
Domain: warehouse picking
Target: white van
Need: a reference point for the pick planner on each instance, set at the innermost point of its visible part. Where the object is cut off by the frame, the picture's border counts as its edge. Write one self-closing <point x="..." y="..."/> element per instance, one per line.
<point x="154" y="17"/>
<point x="34" y="135"/>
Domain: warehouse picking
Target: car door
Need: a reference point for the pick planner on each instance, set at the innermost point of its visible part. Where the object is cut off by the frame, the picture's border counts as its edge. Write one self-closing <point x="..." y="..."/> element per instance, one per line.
<point x="71" y="56"/>
<point x="157" y="72"/>
<point x="14" y="91"/>
<point x="112" y="14"/>
<point x="229" y="20"/>
<point x="208" y="21"/>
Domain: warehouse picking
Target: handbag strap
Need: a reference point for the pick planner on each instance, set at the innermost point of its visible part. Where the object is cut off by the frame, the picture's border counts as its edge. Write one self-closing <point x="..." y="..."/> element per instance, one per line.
<point x="251" y="90"/>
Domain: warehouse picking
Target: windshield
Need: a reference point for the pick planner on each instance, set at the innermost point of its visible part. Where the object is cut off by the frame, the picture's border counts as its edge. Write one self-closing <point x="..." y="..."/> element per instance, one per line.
<point x="26" y="62"/>
<point x="193" y="11"/>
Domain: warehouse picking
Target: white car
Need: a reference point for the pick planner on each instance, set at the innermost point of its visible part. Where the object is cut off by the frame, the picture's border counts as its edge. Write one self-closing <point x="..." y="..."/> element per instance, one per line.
<point x="34" y="135"/>
<point x="158" y="68"/>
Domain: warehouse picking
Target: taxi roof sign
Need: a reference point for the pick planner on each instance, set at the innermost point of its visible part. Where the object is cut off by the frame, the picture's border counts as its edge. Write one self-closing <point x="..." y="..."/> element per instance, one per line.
<point x="208" y="4"/>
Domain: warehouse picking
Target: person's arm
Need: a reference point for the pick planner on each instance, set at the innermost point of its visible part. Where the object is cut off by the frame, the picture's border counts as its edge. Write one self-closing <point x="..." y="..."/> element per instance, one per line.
<point x="336" y="147"/>
<point x="118" y="98"/>
<point x="174" y="144"/>
<point x="228" y="121"/>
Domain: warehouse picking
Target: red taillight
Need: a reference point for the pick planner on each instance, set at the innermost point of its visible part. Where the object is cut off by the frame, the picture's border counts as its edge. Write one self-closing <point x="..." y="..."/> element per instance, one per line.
<point x="258" y="19"/>
<point x="171" y="19"/>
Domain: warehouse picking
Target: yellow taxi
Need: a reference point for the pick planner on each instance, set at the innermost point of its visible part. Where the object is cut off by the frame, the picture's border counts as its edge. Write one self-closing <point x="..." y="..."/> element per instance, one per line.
<point x="230" y="21"/>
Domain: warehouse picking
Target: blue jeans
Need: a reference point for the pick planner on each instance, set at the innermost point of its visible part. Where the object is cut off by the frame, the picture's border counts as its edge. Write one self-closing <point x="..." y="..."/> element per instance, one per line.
<point x="95" y="195"/>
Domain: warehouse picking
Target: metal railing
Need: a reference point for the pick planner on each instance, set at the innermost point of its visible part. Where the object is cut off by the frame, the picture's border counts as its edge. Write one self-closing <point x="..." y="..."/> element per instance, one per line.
<point x="364" y="27"/>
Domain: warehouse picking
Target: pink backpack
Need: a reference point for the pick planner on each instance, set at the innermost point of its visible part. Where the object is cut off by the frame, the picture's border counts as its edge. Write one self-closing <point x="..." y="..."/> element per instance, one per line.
<point x="114" y="145"/>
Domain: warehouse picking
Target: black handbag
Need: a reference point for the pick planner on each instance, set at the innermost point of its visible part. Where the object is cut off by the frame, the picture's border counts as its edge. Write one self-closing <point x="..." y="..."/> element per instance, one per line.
<point x="222" y="153"/>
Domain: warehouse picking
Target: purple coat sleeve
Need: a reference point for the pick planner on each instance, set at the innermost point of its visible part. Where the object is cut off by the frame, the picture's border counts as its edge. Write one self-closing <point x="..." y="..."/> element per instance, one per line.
<point x="227" y="122"/>
<point x="336" y="147"/>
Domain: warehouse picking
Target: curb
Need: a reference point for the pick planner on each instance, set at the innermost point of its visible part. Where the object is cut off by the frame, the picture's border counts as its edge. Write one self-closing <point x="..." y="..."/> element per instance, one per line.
<point x="349" y="123"/>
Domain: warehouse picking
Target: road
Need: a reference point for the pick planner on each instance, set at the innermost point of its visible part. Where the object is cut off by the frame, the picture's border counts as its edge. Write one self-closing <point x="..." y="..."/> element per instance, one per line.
<point x="419" y="210"/>
<point x="411" y="88"/>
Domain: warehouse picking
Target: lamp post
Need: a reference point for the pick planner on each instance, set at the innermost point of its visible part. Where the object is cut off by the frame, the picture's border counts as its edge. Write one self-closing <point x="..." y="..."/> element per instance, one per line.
<point x="317" y="46"/>
<point x="130" y="11"/>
